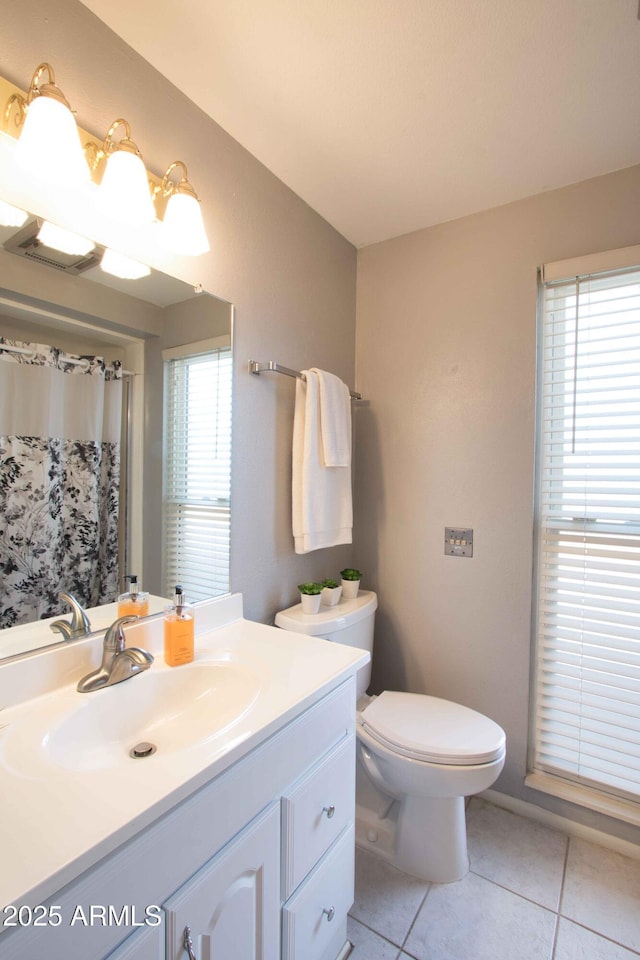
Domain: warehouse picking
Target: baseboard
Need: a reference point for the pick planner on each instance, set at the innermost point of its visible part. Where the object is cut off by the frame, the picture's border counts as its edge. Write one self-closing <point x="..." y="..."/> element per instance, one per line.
<point x="556" y="822"/>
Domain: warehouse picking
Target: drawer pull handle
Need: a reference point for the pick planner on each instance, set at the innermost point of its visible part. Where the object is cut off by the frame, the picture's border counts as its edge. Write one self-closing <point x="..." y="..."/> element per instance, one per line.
<point x="188" y="943"/>
<point x="331" y="912"/>
<point x="329" y="811"/>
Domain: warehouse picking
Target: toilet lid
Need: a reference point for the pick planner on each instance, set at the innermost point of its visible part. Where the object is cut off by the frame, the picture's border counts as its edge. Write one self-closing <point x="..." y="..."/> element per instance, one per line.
<point x="427" y="728"/>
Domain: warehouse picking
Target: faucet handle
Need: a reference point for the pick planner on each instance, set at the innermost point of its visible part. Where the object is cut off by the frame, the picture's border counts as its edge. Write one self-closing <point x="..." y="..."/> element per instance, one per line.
<point x="114" y="638"/>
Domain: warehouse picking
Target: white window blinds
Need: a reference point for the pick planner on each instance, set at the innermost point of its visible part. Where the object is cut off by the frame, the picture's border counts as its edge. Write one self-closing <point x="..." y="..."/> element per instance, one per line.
<point x="197" y="472"/>
<point x="587" y="683"/>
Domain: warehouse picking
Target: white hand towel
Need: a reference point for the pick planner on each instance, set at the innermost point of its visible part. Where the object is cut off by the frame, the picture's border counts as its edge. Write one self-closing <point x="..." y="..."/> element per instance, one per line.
<point x="335" y="419"/>
<point x="322" y="510"/>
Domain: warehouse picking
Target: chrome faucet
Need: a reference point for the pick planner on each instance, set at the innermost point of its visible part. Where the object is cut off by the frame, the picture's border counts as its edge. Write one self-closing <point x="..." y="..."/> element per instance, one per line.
<point x="119" y="662"/>
<point x="79" y="626"/>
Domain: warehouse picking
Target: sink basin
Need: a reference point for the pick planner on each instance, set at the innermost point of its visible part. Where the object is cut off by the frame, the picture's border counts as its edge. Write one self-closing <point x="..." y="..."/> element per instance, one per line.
<point x="174" y="709"/>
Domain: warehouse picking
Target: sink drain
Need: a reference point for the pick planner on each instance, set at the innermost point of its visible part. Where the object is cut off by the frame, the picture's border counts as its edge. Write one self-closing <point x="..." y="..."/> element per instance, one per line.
<point x="142" y="750"/>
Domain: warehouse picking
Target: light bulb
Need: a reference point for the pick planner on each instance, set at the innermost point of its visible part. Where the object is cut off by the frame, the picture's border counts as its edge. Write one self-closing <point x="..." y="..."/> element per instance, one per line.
<point x="64" y="240"/>
<point x="124" y="192"/>
<point x="49" y="144"/>
<point x="118" y="265"/>
<point x="11" y="216"/>
<point x="182" y="229"/>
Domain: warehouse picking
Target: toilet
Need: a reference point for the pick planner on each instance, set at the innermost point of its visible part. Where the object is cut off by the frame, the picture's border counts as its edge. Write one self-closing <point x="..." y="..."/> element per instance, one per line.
<point x="418" y="757"/>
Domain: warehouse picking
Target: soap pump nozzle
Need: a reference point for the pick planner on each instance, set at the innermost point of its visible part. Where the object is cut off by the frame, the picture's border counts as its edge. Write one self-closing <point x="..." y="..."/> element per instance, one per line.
<point x="178" y="600"/>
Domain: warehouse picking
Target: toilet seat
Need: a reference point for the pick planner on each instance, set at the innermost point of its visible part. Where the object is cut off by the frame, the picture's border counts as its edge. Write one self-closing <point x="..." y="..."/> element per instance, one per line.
<point x="433" y="730"/>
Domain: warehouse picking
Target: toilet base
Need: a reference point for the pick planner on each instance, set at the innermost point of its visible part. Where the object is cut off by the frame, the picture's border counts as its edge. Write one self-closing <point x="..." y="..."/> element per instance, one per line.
<point x="395" y="831"/>
<point x="431" y="838"/>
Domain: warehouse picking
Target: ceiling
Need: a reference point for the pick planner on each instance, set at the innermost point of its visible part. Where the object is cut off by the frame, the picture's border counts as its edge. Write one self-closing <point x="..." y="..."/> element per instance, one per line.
<point x="387" y="116"/>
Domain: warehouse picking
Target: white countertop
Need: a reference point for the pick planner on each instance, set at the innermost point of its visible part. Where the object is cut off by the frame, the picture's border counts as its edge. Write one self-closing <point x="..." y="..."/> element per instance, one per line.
<point x="55" y="822"/>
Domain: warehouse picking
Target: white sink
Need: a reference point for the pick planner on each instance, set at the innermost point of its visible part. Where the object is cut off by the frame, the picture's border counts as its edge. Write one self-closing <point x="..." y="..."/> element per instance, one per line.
<point x="172" y="708"/>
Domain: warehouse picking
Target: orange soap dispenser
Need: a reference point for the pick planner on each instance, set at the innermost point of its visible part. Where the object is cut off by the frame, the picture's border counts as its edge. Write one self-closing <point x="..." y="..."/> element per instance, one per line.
<point x="178" y="631"/>
<point x="135" y="603"/>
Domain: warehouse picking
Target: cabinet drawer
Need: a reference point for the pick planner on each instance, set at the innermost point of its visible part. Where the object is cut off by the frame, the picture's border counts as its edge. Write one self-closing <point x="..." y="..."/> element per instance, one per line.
<point x="321" y="904"/>
<point x="316" y="810"/>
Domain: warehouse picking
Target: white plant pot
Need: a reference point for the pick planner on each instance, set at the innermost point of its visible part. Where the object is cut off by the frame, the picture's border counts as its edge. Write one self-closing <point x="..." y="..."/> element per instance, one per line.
<point x="331" y="596"/>
<point x="350" y="589"/>
<point x="310" y="602"/>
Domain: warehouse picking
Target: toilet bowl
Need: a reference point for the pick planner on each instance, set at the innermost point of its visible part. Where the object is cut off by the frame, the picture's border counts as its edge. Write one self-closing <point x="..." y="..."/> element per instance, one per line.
<point x="418" y="756"/>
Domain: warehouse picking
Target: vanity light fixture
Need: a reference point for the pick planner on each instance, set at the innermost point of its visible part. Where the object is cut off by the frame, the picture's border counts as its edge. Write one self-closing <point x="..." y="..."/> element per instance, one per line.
<point x="124" y="267"/>
<point x="11" y="216"/>
<point x="49" y="148"/>
<point x="124" y="192"/>
<point x="49" y="142"/>
<point x="57" y="238"/>
<point x="182" y="228"/>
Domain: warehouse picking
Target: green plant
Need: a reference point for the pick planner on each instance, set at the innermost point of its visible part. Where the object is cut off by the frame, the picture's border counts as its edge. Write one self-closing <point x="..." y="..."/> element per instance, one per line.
<point x="349" y="573"/>
<point x="330" y="584"/>
<point x="311" y="589"/>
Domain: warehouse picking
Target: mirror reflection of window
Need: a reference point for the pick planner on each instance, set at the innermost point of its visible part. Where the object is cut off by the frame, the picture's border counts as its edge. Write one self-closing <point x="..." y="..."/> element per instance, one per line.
<point x="197" y="468"/>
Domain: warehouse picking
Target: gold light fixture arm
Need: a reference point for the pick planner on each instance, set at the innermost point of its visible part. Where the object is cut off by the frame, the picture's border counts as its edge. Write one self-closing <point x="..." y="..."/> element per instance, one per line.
<point x="168" y="186"/>
<point x="126" y="143"/>
<point x="18" y="101"/>
<point x="96" y="153"/>
<point x="36" y="89"/>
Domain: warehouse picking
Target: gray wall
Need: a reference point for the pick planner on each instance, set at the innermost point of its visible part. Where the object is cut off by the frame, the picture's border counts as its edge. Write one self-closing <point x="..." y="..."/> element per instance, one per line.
<point x="290" y="276"/>
<point x="446" y="334"/>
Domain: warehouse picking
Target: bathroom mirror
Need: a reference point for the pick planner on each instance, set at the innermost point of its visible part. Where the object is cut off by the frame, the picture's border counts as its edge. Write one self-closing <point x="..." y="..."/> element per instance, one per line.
<point x="143" y="323"/>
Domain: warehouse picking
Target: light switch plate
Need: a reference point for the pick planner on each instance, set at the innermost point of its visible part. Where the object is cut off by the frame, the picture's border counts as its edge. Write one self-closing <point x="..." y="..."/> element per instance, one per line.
<point x="458" y="541"/>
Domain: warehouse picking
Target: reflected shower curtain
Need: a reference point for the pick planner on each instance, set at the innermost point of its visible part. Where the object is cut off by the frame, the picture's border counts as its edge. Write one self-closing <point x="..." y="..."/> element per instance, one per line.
<point x="60" y="422"/>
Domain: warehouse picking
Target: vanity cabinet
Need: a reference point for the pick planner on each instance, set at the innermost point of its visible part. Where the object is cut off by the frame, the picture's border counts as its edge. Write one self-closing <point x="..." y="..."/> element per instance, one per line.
<point x="144" y="945"/>
<point x="257" y="862"/>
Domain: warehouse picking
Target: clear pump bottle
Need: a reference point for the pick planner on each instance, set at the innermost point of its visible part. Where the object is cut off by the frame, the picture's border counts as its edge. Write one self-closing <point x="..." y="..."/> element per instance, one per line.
<point x="134" y="603"/>
<point x="178" y="631"/>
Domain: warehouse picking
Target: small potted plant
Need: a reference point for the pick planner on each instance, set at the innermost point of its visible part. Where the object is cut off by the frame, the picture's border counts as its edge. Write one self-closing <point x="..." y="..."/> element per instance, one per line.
<point x="350" y="582"/>
<point x="331" y="592"/>
<point x="310" y="596"/>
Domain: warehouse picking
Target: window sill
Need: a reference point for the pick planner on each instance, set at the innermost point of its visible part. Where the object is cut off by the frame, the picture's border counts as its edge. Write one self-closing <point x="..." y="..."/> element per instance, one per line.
<point x="614" y="807"/>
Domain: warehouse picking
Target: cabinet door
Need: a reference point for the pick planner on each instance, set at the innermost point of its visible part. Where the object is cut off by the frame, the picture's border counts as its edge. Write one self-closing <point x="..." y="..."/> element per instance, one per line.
<point x="232" y="905"/>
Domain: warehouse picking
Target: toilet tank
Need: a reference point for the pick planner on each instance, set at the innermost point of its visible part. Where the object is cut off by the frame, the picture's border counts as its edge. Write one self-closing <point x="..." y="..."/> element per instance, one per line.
<point x="349" y="622"/>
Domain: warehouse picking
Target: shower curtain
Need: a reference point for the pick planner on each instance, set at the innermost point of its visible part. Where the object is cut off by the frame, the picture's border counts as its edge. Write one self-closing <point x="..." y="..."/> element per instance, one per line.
<point x="60" y="424"/>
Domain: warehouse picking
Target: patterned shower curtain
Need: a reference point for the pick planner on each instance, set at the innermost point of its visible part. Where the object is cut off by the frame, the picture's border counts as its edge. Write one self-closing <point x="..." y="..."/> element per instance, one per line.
<point x="60" y="424"/>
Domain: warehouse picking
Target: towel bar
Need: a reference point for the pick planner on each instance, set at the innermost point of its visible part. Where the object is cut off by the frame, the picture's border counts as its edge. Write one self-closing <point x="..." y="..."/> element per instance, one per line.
<point x="272" y="367"/>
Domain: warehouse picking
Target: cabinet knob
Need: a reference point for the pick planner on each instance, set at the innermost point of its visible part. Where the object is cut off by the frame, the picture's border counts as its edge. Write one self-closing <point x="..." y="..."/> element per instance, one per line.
<point x="329" y="811"/>
<point x="188" y="943"/>
<point x="331" y="912"/>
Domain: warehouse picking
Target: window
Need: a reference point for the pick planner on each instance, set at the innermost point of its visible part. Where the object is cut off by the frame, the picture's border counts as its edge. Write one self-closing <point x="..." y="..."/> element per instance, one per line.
<point x="586" y="703"/>
<point x="197" y="476"/>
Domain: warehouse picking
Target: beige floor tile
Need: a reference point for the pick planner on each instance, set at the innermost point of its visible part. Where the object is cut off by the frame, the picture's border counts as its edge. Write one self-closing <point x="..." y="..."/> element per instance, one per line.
<point x="576" y="943"/>
<point x="602" y="892"/>
<point x="386" y="899"/>
<point x="367" y="945"/>
<point x="475" y="919"/>
<point x="524" y="856"/>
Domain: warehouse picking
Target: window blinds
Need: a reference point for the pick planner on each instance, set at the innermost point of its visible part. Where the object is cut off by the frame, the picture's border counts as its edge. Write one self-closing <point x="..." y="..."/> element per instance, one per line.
<point x="197" y="473"/>
<point x="587" y="684"/>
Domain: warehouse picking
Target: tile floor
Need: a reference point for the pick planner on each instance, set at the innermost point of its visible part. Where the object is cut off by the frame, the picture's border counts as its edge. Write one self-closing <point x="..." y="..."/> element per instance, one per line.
<point x="531" y="894"/>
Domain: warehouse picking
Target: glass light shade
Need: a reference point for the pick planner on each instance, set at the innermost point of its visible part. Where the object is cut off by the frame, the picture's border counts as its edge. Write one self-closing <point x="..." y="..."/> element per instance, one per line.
<point x="124" y="267"/>
<point x="124" y="192"/>
<point x="182" y="229"/>
<point x="49" y="144"/>
<point x="11" y="216"/>
<point x="64" y="240"/>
